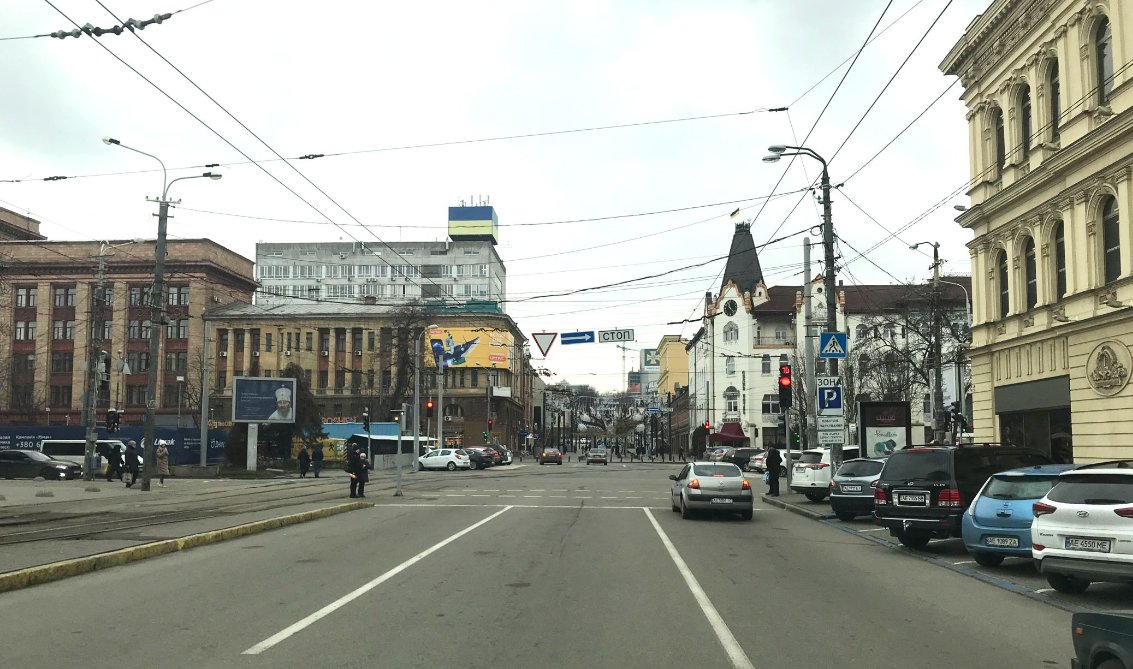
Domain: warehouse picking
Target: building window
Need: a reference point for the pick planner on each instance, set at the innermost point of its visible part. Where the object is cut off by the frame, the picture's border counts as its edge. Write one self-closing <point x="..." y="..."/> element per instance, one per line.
<point x="771" y="404"/>
<point x="63" y="330"/>
<point x="1031" y="275"/>
<point x="176" y="362"/>
<point x="1004" y="294"/>
<point x="177" y="329"/>
<point x="25" y="297"/>
<point x="1055" y="89"/>
<point x="1111" y="241"/>
<point x="1000" y="145"/>
<point x="64" y="297"/>
<point x="1025" y="121"/>
<point x="780" y="334"/>
<point x="731" y="332"/>
<point x="62" y="362"/>
<point x="179" y="295"/>
<point x="136" y="394"/>
<point x="137" y="296"/>
<point x="340" y="340"/>
<point x="323" y="376"/>
<point x="731" y="400"/>
<point x="267" y="342"/>
<point x="1059" y="261"/>
<point x="25" y="330"/>
<point x="861" y="331"/>
<point x="1103" y="51"/>
<point x="475" y="378"/>
<point x="310" y="341"/>
<point x="137" y="361"/>
<point x="765" y="364"/>
<point x="61" y="396"/>
<point x="730" y="365"/>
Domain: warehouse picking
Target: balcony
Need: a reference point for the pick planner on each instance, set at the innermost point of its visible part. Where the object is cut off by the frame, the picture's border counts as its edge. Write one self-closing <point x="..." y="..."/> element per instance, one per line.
<point x="773" y="342"/>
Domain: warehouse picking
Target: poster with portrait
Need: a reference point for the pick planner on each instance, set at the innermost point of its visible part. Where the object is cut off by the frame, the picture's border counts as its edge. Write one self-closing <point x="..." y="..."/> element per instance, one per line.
<point x="263" y="400"/>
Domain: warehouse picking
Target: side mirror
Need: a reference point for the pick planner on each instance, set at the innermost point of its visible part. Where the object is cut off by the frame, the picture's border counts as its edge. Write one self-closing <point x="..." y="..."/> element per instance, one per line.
<point x="672" y="477"/>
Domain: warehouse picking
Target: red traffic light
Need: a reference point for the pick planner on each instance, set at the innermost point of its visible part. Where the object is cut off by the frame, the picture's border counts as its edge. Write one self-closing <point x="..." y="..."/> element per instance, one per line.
<point x="707" y="425"/>
<point x="429" y="404"/>
<point x="784" y="381"/>
<point x="784" y="370"/>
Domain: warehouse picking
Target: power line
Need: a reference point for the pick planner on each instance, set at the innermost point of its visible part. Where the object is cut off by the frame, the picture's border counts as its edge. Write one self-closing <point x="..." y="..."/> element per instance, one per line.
<point x="129" y="25"/>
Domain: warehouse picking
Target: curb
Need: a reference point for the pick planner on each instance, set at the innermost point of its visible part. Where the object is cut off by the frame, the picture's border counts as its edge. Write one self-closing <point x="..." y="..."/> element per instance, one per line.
<point x="813" y="515"/>
<point x="24" y="578"/>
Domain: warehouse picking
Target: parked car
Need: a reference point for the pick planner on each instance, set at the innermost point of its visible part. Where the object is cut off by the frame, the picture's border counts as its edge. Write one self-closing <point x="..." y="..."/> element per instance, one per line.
<point x="1102" y="640"/>
<point x="17" y="463"/>
<point x="550" y="455"/>
<point x="851" y="489"/>
<point x="716" y="487"/>
<point x="714" y="454"/>
<point x="811" y="473"/>
<point x="740" y="456"/>
<point x="494" y="456"/>
<point x="997" y="524"/>
<point x="922" y="492"/>
<point x="597" y="454"/>
<point x="1083" y="528"/>
<point x="756" y="462"/>
<point x="445" y="458"/>
<point x="505" y="454"/>
<point x="479" y="457"/>
<point x="75" y="450"/>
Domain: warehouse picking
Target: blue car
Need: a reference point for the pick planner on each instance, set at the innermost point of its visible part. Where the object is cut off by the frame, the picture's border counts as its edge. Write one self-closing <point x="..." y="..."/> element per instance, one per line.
<point x="997" y="524"/>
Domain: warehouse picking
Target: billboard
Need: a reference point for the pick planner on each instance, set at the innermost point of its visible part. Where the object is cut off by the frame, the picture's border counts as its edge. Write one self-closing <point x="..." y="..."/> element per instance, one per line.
<point x="469" y="347"/>
<point x="263" y="400"/>
<point x="884" y="427"/>
<point x="649" y="358"/>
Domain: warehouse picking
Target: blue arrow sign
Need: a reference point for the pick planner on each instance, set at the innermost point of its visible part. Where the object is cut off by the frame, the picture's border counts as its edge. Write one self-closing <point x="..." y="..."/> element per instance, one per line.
<point x="577" y="337"/>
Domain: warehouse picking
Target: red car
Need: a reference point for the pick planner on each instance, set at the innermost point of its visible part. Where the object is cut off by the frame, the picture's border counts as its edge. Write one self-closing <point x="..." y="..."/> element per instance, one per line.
<point x="550" y="455"/>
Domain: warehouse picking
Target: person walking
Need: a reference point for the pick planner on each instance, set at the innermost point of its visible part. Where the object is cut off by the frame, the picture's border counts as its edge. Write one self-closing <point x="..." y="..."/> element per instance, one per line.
<point x="162" y="462"/>
<point x="772" y="462"/>
<point x="132" y="462"/>
<point x="360" y="476"/>
<point x="304" y="462"/>
<point x="317" y="459"/>
<point x="113" y="463"/>
<point x="351" y="465"/>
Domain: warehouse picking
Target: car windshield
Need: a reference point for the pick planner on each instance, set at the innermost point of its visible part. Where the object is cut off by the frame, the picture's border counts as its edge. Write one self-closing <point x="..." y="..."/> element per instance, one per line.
<point x="810" y="458"/>
<point x="716" y="470"/>
<point x="1095" y="489"/>
<point x="861" y="468"/>
<point x="1018" y="487"/>
<point x="933" y="465"/>
<point x="36" y="455"/>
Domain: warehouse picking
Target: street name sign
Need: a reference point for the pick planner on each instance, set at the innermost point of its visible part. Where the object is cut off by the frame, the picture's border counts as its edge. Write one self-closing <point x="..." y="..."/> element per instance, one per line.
<point x="606" y="336"/>
<point x="833" y="344"/>
<point x="577" y="337"/>
<point x="544" y="340"/>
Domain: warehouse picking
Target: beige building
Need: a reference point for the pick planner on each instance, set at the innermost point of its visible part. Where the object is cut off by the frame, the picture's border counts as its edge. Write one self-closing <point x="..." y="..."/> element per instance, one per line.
<point x="674" y="365"/>
<point x="1048" y="88"/>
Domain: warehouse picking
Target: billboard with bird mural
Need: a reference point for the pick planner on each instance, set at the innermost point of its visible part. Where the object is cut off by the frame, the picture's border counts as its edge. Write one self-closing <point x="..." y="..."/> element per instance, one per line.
<point x="469" y="347"/>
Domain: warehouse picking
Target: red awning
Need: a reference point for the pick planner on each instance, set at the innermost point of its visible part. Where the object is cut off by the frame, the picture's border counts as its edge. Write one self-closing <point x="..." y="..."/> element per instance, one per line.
<point x="730" y="433"/>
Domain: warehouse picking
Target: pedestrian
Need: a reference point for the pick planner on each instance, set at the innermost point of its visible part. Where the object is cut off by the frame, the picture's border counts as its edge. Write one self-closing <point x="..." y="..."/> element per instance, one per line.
<point x="772" y="462"/>
<point x="304" y="462"/>
<point x="681" y="452"/>
<point x="113" y="463"/>
<point x="132" y="462"/>
<point x="317" y="459"/>
<point x="162" y="462"/>
<point x="360" y="475"/>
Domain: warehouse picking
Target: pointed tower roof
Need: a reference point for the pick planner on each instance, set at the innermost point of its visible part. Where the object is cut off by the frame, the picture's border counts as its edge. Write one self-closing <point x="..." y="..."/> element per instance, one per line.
<point x="743" y="262"/>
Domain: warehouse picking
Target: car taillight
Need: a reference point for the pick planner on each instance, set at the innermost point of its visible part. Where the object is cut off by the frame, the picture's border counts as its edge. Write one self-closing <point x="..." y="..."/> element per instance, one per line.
<point x="694" y="484"/>
<point x="746" y="485"/>
<point x="949" y="497"/>
<point x="1040" y="509"/>
<point x="458" y="456"/>
<point x="1124" y="512"/>
<point x="879" y="496"/>
<point x="1038" y="547"/>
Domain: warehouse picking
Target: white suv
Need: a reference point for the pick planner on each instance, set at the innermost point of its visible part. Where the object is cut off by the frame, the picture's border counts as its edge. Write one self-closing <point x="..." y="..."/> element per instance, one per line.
<point x="1083" y="527"/>
<point x="811" y="473"/>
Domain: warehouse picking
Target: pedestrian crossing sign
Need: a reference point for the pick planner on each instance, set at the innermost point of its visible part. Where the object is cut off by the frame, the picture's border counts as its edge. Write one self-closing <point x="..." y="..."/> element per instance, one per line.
<point x="833" y="345"/>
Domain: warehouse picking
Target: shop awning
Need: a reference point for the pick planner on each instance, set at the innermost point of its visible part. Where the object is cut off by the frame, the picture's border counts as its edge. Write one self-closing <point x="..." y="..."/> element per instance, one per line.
<point x="730" y="433"/>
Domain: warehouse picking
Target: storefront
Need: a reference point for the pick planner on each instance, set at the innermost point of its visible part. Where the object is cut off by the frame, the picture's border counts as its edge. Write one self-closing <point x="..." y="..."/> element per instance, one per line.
<point x="1036" y="414"/>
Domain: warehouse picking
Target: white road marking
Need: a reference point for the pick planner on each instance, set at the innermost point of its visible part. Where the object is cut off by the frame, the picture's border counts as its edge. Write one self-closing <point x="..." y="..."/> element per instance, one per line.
<point x="479" y="495"/>
<point x="538" y="490"/>
<point x="559" y="490"/>
<point x="632" y="497"/>
<point x="572" y="507"/>
<point x="515" y="490"/>
<point x="584" y="498"/>
<point x="557" y="496"/>
<point x="965" y="562"/>
<point x="610" y="497"/>
<point x="346" y="599"/>
<point x="727" y="639"/>
<point x="627" y="491"/>
<point x="454" y="495"/>
<point x="491" y="489"/>
<point x="1043" y="591"/>
<point x="874" y="529"/>
<point x="505" y="495"/>
<point x="535" y="496"/>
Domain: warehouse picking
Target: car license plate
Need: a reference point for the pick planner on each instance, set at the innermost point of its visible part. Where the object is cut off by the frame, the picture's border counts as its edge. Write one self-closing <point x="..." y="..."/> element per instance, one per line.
<point x="1007" y="542"/>
<point x="851" y="488"/>
<point x="721" y="500"/>
<point x="1086" y="544"/>
<point x="921" y="500"/>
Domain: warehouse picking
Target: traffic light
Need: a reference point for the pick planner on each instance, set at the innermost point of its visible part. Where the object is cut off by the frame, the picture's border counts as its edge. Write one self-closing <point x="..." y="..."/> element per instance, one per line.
<point x="785" y="382"/>
<point x="429" y="409"/>
<point x="489" y="424"/>
<point x="366" y="422"/>
<point x="707" y="425"/>
<point x="485" y="434"/>
<point x="111" y="420"/>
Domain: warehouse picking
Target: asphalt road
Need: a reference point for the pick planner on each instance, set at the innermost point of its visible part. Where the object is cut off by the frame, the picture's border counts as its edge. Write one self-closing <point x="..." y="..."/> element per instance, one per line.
<point x="568" y="566"/>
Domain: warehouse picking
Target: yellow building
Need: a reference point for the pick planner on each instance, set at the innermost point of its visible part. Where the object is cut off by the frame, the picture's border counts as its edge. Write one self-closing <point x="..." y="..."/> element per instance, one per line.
<point x="1048" y="88"/>
<point x="674" y="364"/>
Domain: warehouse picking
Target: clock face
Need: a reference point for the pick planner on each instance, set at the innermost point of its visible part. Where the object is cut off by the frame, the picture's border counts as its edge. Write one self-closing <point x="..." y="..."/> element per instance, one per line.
<point x="730" y="307"/>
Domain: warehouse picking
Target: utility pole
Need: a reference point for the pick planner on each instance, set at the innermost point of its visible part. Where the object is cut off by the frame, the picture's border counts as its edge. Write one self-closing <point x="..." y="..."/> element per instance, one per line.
<point x="938" y="386"/>
<point x="830" y="287"/>
<point x="416" y="403"/>
<point x="94" y="359"/>
<point x="809" y="426"/>
<point x="205" y="395"/>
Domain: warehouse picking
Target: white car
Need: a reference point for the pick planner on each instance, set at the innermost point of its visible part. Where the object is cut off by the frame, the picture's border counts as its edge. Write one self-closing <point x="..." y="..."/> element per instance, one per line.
<point x="811" y="473"/>
<point x="1083" y="527"/>
<point x="445" y="458"/>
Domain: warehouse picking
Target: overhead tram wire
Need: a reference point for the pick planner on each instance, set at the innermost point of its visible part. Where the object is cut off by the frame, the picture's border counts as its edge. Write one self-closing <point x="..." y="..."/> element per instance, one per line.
<point x="442" y="295"/>
<point x="130" y="25"/>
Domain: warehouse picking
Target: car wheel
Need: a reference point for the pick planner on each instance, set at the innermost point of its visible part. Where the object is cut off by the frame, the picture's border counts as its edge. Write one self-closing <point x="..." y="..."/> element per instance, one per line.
<point x="1111" y="663"/>
<point x="746" y="515"/>
<point x="985" y="559"/>
<point x="915" y="541"/>
<point x="815" y="496"/>
<point x="420" y="467"/>
<point x="685" y="513"/>
<point x="845" y="516"/>
<point x="452" y="466"/>
<point x="1068" y="584"/>
<point x="673" y="504"/>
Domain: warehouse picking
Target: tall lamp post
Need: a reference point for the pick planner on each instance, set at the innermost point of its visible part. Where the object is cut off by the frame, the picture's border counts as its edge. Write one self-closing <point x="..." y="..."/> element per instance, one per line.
<point x="156" y="295"/>
<point x="828" y="281"/>
<point x="938" y="378"/>
<point x="957" y="358"/>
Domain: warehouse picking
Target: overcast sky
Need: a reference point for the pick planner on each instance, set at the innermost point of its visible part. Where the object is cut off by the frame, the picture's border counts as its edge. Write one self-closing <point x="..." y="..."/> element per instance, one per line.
<point x="341" y="76"/>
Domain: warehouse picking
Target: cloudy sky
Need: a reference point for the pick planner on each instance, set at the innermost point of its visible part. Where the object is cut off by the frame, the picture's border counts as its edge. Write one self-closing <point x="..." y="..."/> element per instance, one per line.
<point x="399" y="90"/>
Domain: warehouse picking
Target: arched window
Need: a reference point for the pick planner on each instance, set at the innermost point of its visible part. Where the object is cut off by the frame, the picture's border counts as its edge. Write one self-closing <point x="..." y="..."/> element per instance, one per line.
<point x="1025" y="121"/>
<point x="1059" y="261"/>
<point x="730" y="365"/>
<point x="1103" y="54"/>
<point x="861" y="331"/>
<point x="1004" y="292"/>
<point x="731" y="332"/>
<point x="731" y="399"/>
<point x="1055" y="89"/>
<point x="454" y="411"/>
<point x="1031" y="274"/>
<point x="765" y="364"/>
<point x="1111" y="241"/>
<point x="1000" y="145"/>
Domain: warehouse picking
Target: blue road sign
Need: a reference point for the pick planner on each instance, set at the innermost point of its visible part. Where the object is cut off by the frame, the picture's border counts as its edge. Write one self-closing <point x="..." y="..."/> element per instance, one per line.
<point x="652" y="409"/>
<point x="577" y="337"/>
<point x="830" y="399"/>
<point x="833" y="345"/>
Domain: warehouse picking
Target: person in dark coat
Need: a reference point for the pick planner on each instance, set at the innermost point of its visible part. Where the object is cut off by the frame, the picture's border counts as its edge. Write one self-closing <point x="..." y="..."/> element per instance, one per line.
<point x="304" y="462"/>
<point x="317" y="459"/>
<point x="113" y="463"/>
<point x="773" y="462"/>
<point x="360" y="475"/>
<point x="132" y="462"/>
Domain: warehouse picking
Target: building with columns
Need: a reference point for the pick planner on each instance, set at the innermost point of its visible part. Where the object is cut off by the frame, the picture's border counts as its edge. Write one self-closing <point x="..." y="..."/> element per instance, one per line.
<point x="1048" y="88"/>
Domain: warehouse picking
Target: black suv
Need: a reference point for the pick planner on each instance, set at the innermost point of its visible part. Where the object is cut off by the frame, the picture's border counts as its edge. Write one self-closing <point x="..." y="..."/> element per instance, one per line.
<point x="922" y="492"/>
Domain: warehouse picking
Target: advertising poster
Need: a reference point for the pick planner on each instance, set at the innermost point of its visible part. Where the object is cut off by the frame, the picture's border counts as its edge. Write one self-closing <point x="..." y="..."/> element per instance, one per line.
<point x="882" y="441"/>
<point x="263" y="400"/>
<point x="469" y="347"/>
<point x="885" y="427"/>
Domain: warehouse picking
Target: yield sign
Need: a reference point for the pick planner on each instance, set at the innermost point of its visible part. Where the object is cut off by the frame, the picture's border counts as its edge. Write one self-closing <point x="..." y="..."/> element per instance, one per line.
<point x="544" y="340"/>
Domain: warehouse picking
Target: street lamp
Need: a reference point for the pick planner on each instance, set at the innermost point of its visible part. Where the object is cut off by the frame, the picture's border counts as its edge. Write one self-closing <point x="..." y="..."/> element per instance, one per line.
<point x="156" y="295"/>
<point x="440" y="362"/>
<point x="938" y="390"/>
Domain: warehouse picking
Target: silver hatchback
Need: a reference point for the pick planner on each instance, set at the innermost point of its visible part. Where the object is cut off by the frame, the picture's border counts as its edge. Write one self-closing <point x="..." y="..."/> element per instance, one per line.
<point x="852" y="488"/>
<point x="715" y="487"/>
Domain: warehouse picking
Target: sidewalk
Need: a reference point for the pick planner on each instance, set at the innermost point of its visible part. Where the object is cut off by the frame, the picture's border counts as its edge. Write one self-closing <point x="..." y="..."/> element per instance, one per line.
<point x="798" y="503"/>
